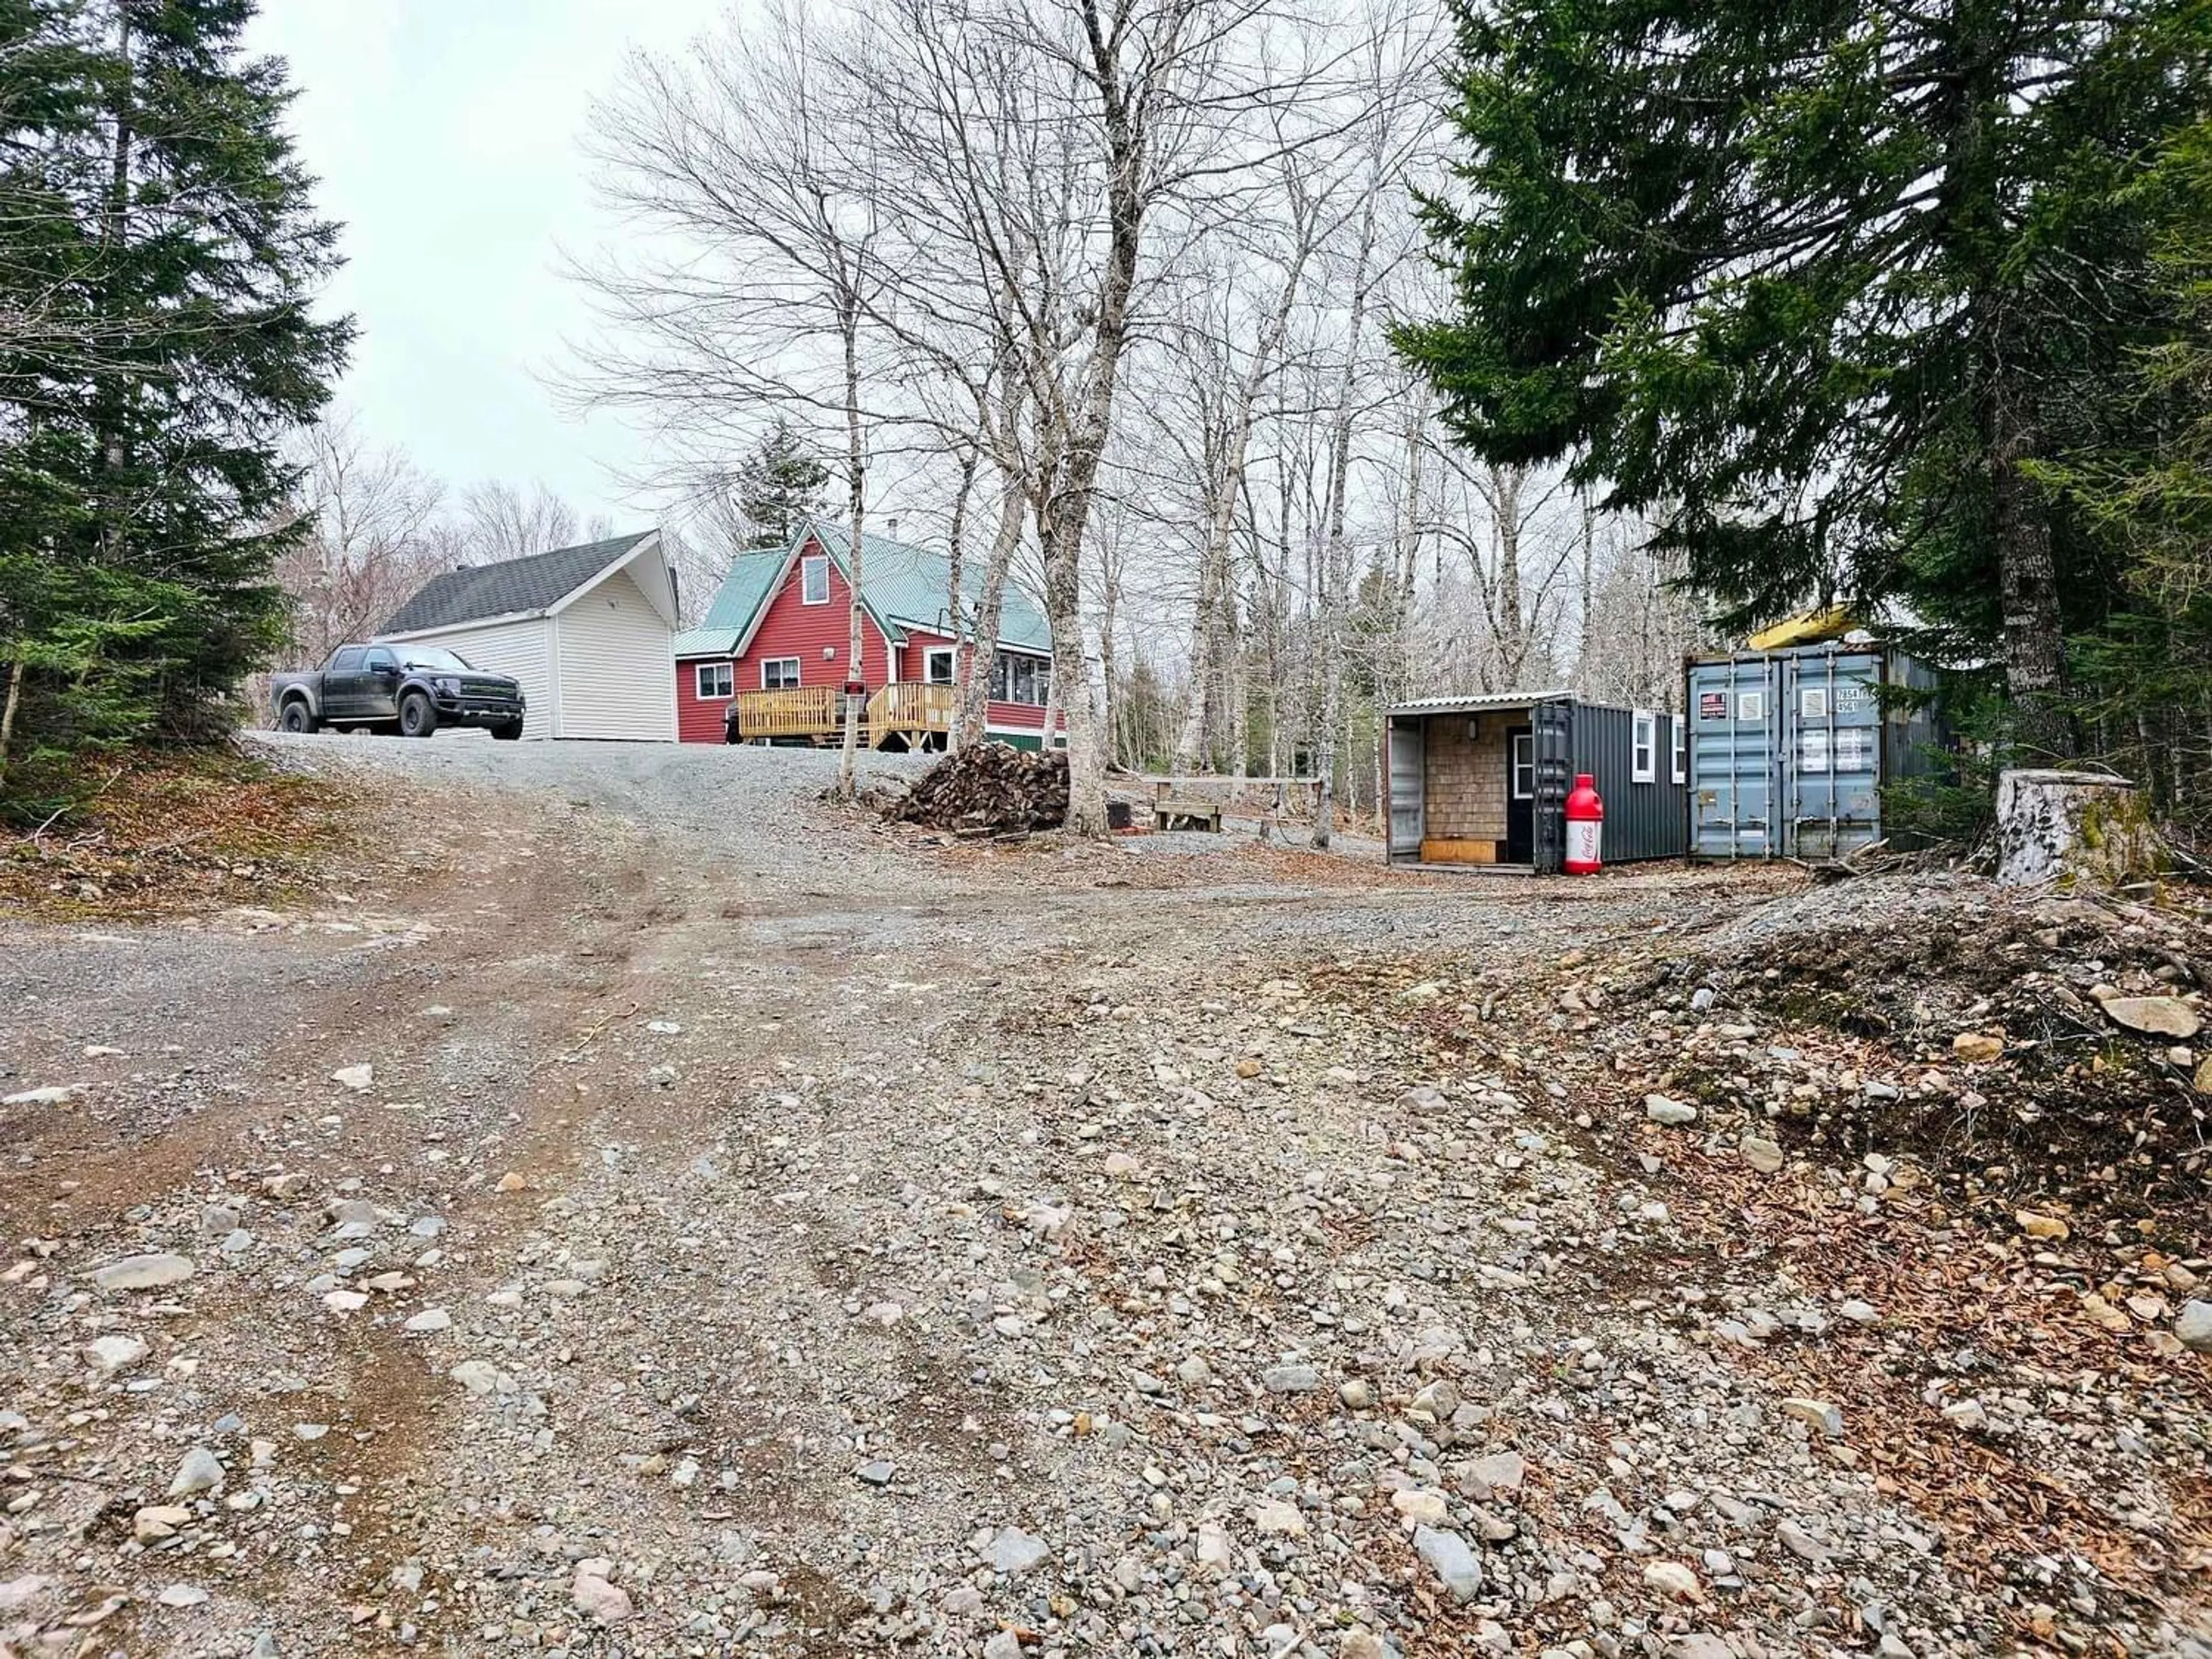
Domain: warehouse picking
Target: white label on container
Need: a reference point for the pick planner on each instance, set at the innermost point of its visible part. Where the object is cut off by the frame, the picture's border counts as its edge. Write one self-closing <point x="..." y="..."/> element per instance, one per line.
<point x="1812" y="751"/>
<point x="1853" y="696"/>
<point x="1750" y="706"/>
<point x="1813" y="702"/>
<point x="1853" y="749"/>
<point x="1582" y="838"/>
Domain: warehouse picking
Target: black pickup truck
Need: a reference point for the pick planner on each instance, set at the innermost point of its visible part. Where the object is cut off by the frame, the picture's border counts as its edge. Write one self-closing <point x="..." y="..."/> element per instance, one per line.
<point x="412" y="689"/>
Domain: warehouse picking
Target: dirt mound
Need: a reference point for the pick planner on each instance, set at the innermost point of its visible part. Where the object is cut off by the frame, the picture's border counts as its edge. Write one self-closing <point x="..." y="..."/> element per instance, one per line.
<point x="179" y="830"/>
<point x="1996" y="1038"/>
<point x="991" y="788"/>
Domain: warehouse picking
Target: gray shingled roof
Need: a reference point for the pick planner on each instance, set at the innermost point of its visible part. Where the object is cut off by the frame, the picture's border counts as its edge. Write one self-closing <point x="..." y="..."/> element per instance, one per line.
<point x="537" y="583"/>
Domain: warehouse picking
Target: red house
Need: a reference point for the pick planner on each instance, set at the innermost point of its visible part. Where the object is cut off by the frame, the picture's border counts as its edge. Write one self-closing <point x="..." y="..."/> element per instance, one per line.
<point x="775" y="644"/>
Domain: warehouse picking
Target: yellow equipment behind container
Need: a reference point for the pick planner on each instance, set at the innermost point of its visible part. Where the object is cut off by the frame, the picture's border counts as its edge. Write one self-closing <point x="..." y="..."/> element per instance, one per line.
<point x="1807" y="628"/>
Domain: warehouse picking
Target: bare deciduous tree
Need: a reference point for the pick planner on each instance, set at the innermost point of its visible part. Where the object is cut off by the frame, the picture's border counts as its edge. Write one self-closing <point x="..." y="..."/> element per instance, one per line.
<point x="500" y="520"/>
<point x="377" y="538"/>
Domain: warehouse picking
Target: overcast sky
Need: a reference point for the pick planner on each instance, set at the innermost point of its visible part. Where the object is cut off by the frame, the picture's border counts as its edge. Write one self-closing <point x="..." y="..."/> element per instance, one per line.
<point x="445" y="133"/>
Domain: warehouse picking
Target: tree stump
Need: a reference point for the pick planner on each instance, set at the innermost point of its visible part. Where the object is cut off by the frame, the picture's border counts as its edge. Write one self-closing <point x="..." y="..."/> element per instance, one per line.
<point x="2074" y="828"/>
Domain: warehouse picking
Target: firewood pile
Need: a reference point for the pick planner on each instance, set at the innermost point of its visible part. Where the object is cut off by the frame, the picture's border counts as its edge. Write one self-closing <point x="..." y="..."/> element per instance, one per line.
<point x="989" y="789"/>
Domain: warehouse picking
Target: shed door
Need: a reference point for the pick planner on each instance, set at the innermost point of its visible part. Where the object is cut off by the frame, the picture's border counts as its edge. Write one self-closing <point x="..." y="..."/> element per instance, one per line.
<point x="1520" y="795"/>
<point x="1407" y="767"/>
<point x="1552" y="726"/>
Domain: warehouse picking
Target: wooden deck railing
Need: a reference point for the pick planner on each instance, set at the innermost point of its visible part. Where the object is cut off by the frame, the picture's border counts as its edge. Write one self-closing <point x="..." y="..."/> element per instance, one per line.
<point x="805" y="711"/>
<point x="910" y="706"/>
<point x="819" y="711"/>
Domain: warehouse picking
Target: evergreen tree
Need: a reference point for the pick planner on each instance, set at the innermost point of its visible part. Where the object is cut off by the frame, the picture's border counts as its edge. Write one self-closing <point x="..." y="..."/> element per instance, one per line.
<point x="780" y="482"/>
<point x="2143" y="490"/>
<point x="1818" y="281"/>
<point x="158" y="249"/>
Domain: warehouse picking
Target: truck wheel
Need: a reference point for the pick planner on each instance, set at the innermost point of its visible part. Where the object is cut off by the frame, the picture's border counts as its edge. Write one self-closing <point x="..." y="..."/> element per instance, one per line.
<point x="418" y="717"/>
<point x="509" y="732"/>
<point x="296" y="717"/>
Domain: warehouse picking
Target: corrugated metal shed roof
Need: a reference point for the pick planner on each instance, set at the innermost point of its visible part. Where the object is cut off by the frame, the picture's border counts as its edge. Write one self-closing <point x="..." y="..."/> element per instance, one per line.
<point x="1476" y="703"/>
<point x="513" y="586"/>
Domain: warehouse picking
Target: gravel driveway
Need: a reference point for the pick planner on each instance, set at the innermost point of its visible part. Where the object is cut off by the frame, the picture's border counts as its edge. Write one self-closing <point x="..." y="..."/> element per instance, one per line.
<point x="650" y="1213"/>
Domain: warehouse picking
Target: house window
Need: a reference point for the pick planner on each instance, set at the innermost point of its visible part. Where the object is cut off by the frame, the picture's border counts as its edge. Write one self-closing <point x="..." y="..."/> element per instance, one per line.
<point x="1681" y="750"/>
<point x="1643" y="764"/>
<point x="937" y="665"/>
<point x="780" y="674"/>
<point x="814" y="580"/>
<point x="1524" y="766"/>
<point x="1023" y="680"/>
<point x="713" y="680"/>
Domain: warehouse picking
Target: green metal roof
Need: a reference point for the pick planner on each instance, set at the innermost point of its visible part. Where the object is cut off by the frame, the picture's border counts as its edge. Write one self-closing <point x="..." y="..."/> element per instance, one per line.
<point x="902" y="587"/>
<point x="751" y="579"/>
<point x="910" y="586"/>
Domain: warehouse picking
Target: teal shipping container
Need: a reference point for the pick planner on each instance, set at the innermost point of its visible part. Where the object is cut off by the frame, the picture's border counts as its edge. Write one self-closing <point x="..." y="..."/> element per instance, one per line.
<point x="1789" y="750"/>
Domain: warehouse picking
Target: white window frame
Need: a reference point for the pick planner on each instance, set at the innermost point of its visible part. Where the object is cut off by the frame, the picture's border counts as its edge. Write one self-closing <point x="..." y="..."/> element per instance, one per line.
<point x="930" y="653"/>
<point x="1521" y="766"/>
<point x="1643" y="746"/>
<point x="1681" y="750"/>
<point x="715" y="682"/>
<point x="815" y="565"/>
<point x="792" y="663"/>
<point x="1005" y="672"/>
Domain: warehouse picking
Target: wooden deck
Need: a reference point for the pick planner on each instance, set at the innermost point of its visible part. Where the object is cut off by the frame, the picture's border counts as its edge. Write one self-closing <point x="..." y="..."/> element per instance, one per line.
<point x="905" y="711"/>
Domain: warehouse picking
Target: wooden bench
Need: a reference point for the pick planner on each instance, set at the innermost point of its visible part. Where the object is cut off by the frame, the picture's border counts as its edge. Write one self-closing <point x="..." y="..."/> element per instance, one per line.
<point x="1169" y="813"/>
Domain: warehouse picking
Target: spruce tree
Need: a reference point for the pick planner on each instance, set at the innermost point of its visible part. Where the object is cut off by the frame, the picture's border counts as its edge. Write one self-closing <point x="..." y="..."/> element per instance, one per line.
<point x="780" y="482"/>
<point x="158" y="254"/>
<point x="1816" y="282"/>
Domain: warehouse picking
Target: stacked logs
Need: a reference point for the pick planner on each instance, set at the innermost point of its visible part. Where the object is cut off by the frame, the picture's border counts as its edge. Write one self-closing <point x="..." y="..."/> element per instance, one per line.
<point x="988" y="789"/>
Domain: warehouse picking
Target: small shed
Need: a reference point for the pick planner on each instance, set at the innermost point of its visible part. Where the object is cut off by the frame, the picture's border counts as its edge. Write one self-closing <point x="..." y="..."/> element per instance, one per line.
<point x="585" y="630"/>
<point x="1483" y="780"/>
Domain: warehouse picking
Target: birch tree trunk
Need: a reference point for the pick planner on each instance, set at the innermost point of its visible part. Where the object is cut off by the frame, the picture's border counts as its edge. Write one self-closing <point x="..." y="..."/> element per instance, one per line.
<point x="1335" y="553"/>
<point x="856" y="482"/>
<point x="990" y="605"/>
<point x="956" y="737"/>
<point x="7" y="712"/>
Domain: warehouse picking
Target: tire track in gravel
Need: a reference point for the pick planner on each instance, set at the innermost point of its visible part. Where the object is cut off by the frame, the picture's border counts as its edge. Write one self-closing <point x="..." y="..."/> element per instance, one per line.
<point x="498" y="922"/>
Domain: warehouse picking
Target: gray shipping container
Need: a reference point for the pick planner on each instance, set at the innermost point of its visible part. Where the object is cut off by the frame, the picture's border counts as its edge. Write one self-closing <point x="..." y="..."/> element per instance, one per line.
<point x="1789" y="749"/>
<point x="1483" y="780"/>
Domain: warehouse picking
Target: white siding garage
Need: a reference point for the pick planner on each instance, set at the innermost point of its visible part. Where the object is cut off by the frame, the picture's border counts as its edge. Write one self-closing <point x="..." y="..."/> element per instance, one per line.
<point x="587" y="631"/>
<point x="520" y="649"/>
<point x="606" y="646"/>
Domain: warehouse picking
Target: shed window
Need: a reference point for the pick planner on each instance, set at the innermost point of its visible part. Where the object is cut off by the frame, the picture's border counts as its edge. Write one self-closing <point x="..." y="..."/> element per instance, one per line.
<point x="1681" y="750"/>
<point x="712" y="679"/>
<point x="814" y="580"/>
<point x="780" y="674"/>
<point x="1524" y="766"/>
<point x="937" y="665"/>
<point x="1643" y="764"/>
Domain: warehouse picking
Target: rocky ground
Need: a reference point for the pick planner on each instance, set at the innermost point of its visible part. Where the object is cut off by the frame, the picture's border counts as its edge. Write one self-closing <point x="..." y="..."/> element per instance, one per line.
<point x="631" y="1209"/>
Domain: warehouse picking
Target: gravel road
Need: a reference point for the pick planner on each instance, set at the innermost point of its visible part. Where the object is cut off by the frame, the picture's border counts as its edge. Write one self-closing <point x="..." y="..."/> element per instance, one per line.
<point x="649" y="1212"/>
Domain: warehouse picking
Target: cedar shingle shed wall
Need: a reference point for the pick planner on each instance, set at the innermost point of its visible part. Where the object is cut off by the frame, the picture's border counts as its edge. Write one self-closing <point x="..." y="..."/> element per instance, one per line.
<point x="1465" y="782"/>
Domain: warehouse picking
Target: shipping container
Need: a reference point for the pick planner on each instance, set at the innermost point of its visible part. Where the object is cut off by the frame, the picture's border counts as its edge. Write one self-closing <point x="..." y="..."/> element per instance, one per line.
<point x="1789" y="749"/>
<point x="1483" y="780"/>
